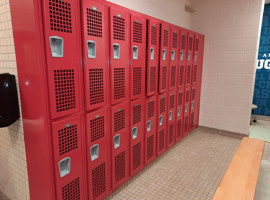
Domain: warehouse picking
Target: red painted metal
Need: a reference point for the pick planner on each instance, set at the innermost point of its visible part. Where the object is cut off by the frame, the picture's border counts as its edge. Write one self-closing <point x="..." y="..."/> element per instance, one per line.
<point x="186" y="112"/>
<point x="174" y="57"/>
<point x="189" y="65"/>
<point x="193" y="107"/>
<point x="171" y="118"/>
<point x="150" y="129"/>
<point x="179" y="114"/>
<point x="98" y="153"/>
<point x="152" y="56"/>
<point x="182" y="58"/>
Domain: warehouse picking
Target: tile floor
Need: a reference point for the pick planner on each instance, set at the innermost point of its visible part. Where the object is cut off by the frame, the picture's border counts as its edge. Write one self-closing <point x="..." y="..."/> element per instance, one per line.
<point x="191" y="170"/>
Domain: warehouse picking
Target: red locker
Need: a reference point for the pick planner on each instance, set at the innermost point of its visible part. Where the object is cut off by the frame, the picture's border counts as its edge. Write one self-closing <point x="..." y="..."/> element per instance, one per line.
<point x="95" y="54"/>
<point x="162" y="123"/>
<point x="120" y="144"/>
<point x="193" y="108"/>
<point x="182" y="58"/>
<point x="98" y="153"/>
<point x="174" y="57"/>
<point x="171" y="118"/>
<point x="68" y="161"/>
<point x="119" y="54"/>
<point x="164" y="56"/>
<point x="186" y="112"/>
<point x="62" y="53"/>
<point x="152" y="56"/>
<point x="138" y="55"/>
<point x="179" y="114"/>
<point x="150" y="129"/>
<point x="137" y="135"/>
<point x="190" y="50"/>
<point x="196" y="58"/>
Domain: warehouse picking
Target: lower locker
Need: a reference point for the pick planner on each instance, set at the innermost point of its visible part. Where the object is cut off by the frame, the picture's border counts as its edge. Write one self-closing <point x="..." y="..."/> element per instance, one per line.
<point x="67" y="150"/>
<point x="179" y="115"/>
<point x="171" y="119"/>
<point x="98" y="154"/>
<point x="187" y="112"/>
<point x="193" y="107"/>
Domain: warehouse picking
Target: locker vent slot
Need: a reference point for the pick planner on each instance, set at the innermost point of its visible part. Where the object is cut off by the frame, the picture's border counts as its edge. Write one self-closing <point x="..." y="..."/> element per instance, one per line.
<point x="181" y="75"/>
<point x="119" y="83"/>
<point x="120" y="166"/>
<point x="186" y="124"/>
<point x="119" y="120"/>
<point x="60" y="16"/>
<point x="96" y="86"/>
<point x="71" y="190"/>
<point x="119" y="31"/>
<point x="94" y="23"/>
<point x="195" y="73"/>
<point x="137" y="156"/>
<point x="97" y="128"/>
<point x="136" y="114"/>
<point x="179" y="128"/>
<point x="137" y="32"/>
<point x="187" y="96"/>
<point x="192" y="120"/>
<point x="193" y="93"/>
<point x="161" y="140"/>
<point x="173" y="76"/>
<point x="99" y="180"/>
<point x="188" y="73"/>
<point x="68" y="139"/>
<point x="150" y="147"/>
<point x="190" y="43"/>
<point x="165" y="37"/>
<point x="175" y="40"/>
<point x="180" y="98"/>
<point x="183" y="42"/>
<point x="162" y="105"/>
<point x="152" y="79"/>
<point x="197" y="45"/>
<point x="64" y="89"/>
<point x="171" y="129"/>
<point x="164" y="78"/>
<point x="172" y="101"/>
<point x="153" y="35"/>
<point x="137" y="81"/>
<point x="150" y="109"/>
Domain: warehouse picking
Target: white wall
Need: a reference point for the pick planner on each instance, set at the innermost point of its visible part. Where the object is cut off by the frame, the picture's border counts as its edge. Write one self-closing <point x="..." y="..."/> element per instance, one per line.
<point x="232" y="29"/>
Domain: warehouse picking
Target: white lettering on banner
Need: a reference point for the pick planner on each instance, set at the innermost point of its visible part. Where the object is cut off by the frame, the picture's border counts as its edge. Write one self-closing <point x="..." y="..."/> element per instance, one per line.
<point x="263" y="64"/>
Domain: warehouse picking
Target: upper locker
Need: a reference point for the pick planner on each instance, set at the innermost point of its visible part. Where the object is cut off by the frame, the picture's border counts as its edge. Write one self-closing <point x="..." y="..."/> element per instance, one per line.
<point x="138" y="55"/>
<point x="174" y="57"/>
<point x="95" y="54"/>
<point x="182" y="57"/>
<point x="190" y="51"/>
<point x="119" y="54"/>
<point x="152" y="56"/>
<point x="63" y="55"/>
<point x="164" y="64"/>
<point x="196" y="59"/>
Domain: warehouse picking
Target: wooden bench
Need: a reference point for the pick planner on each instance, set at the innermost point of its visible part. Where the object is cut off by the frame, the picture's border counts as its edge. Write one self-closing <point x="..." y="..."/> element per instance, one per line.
<point x="240" y="179"/>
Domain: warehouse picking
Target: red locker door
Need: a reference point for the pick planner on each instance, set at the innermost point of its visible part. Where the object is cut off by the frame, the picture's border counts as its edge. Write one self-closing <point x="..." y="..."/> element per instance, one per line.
<point x="150" y="129"/>
<point x="67" y="151"/>
<point x="138" y="55"/>
<point x="182" y="58"/>
<point x="98" y="153"/>
<point x="193" y="108"/>
<point x="152" y="57"/>
<point x="164" y="56"/>
<point x="190" y="50"/>
<point x="120" y="144"/>
<point x="162" y="123"/>
<point x="179" y="114"/>
<point x="196" y="57"/>
<point x="137" y="135"/>
<point x="63" y="55"/>
<point x="171" y="119"/>
<point x="174" y="57"/>
<point x="187" y="111"/>
<point x="95" y="54"/>
<point x="119" y="54"/>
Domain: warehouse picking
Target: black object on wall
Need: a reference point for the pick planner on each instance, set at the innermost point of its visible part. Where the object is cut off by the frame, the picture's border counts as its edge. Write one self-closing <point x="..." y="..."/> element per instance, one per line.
<point x="9" y="106"/>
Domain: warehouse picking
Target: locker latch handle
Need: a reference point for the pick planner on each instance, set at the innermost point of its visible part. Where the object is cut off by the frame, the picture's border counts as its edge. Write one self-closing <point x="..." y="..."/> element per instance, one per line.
<point x="178" y="112"/>
<point x="160" y="120"/>
<point x="148" y="126"/>
<point x="181" y="55"/>
<point x="91" y="48"/>
<point x="135" y="50"/>
<point x="189" y="54"/>
<point x="186" y="108"/>
<point x="134" y="132"/>
<point x="170" y="115"/>
<point x="173" y="54"/>
<point x="192" y="105"/>
<point x="152" y="53"/>
<point x="164" y="54"/>
<point x="64" y="167"/>
<point x="94" y="152"/>
<point x="57" y="46"/>
<point x="195" y="57"/>
<point x="116" y="51"/>
<point x="116" y="141"/>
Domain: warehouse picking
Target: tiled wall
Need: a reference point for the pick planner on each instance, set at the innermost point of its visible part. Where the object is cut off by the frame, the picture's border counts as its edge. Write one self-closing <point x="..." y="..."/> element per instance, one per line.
<point x="13" y="168"/>
<point x="232" y="29"/>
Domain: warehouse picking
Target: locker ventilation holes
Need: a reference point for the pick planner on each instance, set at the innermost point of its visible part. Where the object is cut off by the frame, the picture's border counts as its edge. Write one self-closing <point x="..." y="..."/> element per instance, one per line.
<point x="190" y="43"/>
<point x="180" y="99"/>
<point x="137" y="32"/>
<point x="171" y="101"/>
<point x="150" y="147"/>
<point x="98" y="180"/>
<point x="161" y="139"/>
<point x="162" y="105"/>
<point x="96" y="86"/>
<point x="188" y="73"/>
<point x="173" y="76"/>
<point x="68" y="139"/>
<point x="137" y="80"/>
<point x="119" y="83"/>
<point x="195" y="73"/>
<point x="179" y="128"/>
<point x="71" y="190"/>
<point x="197" y="45"/>
<point x="150" y="109"/>
<point x="120" y="168"/>
<point x="136" y="156"/>
<point x="136" y="114"/>
<point x="152" y="79"/>
<point x="175" y="40"/>
<point x="119" y="120"/>
<point x="119" y="28"/>
<point x="97" y="128"/>
<point x="153" y="35"/>
<point x="165" y="37"/>
<point x="171" y="129"/>
<point x="181" y="75"/>
<point x="94" y="23"/>
<point x="183" y="42"/>
<point x="164" y="78"/>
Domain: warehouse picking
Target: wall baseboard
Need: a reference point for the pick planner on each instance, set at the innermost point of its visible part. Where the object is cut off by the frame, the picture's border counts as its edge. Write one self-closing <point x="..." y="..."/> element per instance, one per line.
<point x="261" y="117"/>
<point x="222" y="132"/>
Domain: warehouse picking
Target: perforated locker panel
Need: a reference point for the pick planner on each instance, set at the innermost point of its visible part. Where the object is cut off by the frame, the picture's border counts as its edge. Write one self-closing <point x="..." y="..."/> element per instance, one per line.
<point x="190" y="47"/>
<point x="120" y="144"/>
<point x="138" y="55"/>
<point x="196" y="47"/>
<point x="187" y="111"/>
<point x="188" y="75"/>
<point x="174" y="57"/>
<point x="153" y="34"/>
<point x="172" y="104"/>
<point x="98" y="153"/>
<point x="119" y="54"/>
<point x="67" y="153"/>
<point x="62" y="53"/>
<point x="137" y="118"/>
<point x="182" y="58"/>
<point x="164" y="57"/>
<point x="95" y="18"/>
<point x="179" y="114"/>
